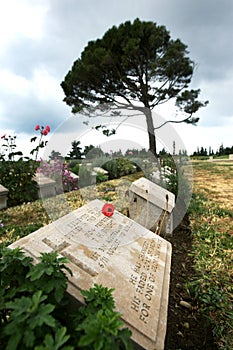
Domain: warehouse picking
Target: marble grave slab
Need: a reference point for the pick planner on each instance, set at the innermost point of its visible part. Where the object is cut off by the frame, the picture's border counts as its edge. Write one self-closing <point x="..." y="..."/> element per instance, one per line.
<point x="118" y="253"/>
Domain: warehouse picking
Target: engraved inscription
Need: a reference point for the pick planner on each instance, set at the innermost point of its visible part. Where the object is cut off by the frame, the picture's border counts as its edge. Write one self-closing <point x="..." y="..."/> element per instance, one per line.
<point x="143" y="278"/>
<point x="101" y="235"/>
<point x="110" y="243"/>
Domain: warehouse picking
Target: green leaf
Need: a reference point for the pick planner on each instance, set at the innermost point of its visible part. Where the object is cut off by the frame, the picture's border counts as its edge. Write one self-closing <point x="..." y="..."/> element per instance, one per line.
<point x="124" y="335"/>
<point x="61" y="337"/>
<point x="43" y="317"/>
<point x="55" y="344"/>
<point x="48" y="342"/>
<point x="29" y="338"/>
<point x="14" y="341"/>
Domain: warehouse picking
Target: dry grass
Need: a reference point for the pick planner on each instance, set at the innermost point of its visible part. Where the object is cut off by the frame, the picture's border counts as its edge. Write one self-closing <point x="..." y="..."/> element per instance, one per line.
<point x="211" y="215"/>
<point x="215" y="182"/>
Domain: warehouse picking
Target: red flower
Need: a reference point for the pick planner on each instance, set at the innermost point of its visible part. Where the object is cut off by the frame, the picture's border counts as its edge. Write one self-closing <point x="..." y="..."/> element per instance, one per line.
<point x="37" y="127"/>
<point x="47" y="128"/>
<point x="44" y="132"/>
<point x="108" y="209"/>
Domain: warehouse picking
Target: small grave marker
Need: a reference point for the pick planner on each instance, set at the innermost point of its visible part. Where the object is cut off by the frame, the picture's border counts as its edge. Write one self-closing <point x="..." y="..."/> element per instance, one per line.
<point x="117" y="253"/>
<point x="46" y="186"/>
<point x="100" y="170"/>
<point x="151" y="206"/>
<point x="3" y="197"/>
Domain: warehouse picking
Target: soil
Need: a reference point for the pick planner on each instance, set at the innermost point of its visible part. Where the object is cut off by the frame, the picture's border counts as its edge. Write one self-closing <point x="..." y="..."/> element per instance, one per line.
<point x="186" y="328"/>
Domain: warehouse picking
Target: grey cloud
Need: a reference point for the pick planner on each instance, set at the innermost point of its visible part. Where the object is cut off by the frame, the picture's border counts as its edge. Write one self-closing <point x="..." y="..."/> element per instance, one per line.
<point x="205" y="26"/>
<point x="25" y="112"/>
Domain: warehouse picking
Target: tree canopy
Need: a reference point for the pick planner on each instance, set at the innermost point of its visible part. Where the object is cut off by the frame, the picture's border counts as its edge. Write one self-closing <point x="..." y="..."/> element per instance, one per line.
<point x="137" y="63"/>
<point x="76" y="152"/>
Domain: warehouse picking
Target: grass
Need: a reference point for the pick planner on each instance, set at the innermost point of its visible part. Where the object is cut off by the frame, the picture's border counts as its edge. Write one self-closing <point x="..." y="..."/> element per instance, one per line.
<point x="211" y="217"/>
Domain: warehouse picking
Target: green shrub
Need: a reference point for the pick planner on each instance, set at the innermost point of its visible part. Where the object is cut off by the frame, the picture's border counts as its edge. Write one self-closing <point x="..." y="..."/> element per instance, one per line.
<point x="100" y="177"/>
<point x="35" y="308"/>
<point x="29" y="295"/>
<point x="75" y="169"/>
<point x="119" y="167"/>
<point x="18" y="178"/>
<point x="72" y="163"/>
<point x="104" y="331"/>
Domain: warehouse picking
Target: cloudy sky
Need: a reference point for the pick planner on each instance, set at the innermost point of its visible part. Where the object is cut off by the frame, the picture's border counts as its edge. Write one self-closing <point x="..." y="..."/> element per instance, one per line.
<point x="40" y="39"/>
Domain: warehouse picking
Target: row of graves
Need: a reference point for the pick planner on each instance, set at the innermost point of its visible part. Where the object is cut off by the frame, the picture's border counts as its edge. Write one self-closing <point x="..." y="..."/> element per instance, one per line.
<point x="128" y="254"/>
<point x="47" y="187"/>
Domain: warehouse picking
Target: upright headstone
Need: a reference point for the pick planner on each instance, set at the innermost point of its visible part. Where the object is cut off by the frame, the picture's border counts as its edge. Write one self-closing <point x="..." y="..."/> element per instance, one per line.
<point x="230" y="156"/>
<point x="3" y="197"/>
<point x="117" y="253"/>
<point x="46" y="186"/>
<point x="151" y="206"/>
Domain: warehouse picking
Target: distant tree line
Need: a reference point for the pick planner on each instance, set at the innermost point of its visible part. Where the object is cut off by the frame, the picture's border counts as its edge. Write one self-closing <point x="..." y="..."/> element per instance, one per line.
<point x="221" y="151"/>
<point x="92" y="152"/>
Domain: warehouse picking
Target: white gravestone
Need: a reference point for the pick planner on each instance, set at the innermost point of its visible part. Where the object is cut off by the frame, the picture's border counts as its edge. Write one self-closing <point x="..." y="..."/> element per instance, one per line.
<point x="3" y="197"/>
<point x="100" y="170"/>
<point x="151" y="206"/>
<point x="117" y="253"/>
<point x="46" y="186"/>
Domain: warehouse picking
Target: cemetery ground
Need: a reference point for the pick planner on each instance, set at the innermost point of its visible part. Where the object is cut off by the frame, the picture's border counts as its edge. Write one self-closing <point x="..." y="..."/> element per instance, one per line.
<point x="200" y="312"/>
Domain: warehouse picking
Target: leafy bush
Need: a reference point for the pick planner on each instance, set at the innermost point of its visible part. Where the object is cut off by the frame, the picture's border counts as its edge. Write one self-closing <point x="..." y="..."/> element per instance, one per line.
<point x="75" y="169"/>
<point x="18" y="178"/>
<point x="34" y="308"/>
<point x="119" y="167"/>
<point x="100" y="177"/>
<point x="26" y="292"/>
<point x="104" y="331"/>
<point x="72" y="163"/>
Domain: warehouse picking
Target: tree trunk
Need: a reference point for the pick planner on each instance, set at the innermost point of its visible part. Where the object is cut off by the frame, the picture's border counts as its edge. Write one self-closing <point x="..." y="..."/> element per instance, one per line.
<point x="151" y="132"/>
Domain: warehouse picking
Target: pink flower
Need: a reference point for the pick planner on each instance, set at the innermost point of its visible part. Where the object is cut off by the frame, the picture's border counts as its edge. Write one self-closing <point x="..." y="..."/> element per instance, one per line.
<point x="47" y="128"/>
<point x="37" y="127"/>
<point x="44" y="132"/>
<point x="108" y="209"/>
